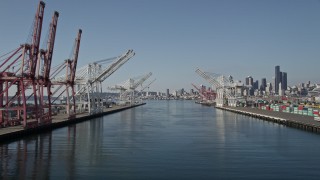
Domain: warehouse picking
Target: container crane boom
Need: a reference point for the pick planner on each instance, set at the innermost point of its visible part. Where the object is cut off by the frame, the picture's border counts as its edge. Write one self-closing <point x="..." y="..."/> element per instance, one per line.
<point x="74" y="62"/>
<point x="114" y="66"/>
<point x="107" y="71"/>
<point x="223" y="87"/>
<point x="144" y="78"/>
<point x="136" y="84"/>
<point x="50" y="46"/>
<point x="36" y="35"/>
<point x="210" y="79"/>
<point x="148" y="85"/>
<point x="200" y="92"/>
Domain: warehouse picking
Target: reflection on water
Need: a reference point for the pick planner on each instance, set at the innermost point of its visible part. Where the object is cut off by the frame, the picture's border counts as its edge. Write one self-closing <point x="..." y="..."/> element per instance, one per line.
<point x="30" y="157"/>
<point x="165" y="140"/>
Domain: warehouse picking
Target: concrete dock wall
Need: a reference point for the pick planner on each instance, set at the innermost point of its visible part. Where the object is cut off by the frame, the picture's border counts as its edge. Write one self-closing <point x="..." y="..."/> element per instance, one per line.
<point x="16" y="132"/>
<point x="305" y="123"/>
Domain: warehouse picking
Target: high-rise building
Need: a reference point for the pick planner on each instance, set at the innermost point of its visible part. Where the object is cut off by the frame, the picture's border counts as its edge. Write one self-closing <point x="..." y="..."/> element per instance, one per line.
<point x="249" y="81"/>
<point x="273" y="84"/>
<point x="256" y="85"/>
<point x="168" y="94"/>
<point x="269" y="88"/>
<point x="263" y="84"/>
<point x="182" y="91"/>
<point x="281" y="91"/>
<point x="277" y="79"/>
<point x="284" y="81"/>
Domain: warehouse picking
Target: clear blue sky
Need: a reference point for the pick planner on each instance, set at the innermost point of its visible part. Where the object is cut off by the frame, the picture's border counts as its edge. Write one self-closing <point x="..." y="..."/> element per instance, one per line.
<point x="172" y="38"/>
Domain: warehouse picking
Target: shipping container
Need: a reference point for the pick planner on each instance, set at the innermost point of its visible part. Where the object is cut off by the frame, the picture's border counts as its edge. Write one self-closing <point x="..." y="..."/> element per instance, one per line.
<point x="300" y="107"/>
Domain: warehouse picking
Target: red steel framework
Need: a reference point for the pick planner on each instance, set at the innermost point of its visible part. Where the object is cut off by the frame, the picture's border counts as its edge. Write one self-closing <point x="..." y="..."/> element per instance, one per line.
<point x="31" y="81"/>
<point x="205" y="94"/>
<point x="70" y="66"/>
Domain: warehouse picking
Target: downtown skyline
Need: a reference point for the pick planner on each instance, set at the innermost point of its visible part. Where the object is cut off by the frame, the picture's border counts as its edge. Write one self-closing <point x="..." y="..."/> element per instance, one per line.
<point x="173" y="38"/>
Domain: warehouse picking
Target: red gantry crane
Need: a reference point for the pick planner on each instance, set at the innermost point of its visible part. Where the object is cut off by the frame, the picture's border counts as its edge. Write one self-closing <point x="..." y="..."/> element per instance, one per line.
<point x="30" y="80"/>
<point x="43" y="73"/>
<point x="70" y="66"/>
<point x="206" y="95"/>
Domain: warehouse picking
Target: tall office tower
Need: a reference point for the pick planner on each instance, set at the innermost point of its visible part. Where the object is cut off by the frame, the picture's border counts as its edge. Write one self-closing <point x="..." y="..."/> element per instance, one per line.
<point x="273" y="84"/>
<point x="249" y="81"/>
<point x="269" y="88"/>
<point x="277" y="79"/>
<point x="168" y="94"/>
<point x="256" y="85"/>
<point x="263" y="84"/>
<point x="284" y="81"/>
<point x="281" y="91"/>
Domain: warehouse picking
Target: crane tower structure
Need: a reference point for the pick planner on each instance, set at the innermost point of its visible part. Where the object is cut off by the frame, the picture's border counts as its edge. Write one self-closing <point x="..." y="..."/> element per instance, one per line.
<point x="224" y="87"/>
<point x="28" y="83"/>
<point x="127" y="89"/>
<point x="88" y="82"/>
<point x="22" y="90"/>
<point x="206" y="95"/>
<point x="147" y="86"/>
<point x="66" y="83"/>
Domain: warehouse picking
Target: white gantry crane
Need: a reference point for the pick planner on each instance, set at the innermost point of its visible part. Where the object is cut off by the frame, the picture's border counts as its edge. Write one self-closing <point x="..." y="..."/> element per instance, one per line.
<point x="128" y="88"/>
<point x="88" y="81"/>
<point x="89" y="86"/>
<point x="147" y="86"/>
<point x="224" y="87"/>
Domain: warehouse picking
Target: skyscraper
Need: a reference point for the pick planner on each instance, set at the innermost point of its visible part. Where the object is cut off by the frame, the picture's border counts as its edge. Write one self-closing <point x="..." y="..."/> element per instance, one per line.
<point x="263" y="84"/>
<point x="273" y="82"/>
<point x="256" y="85"/>
<point x="280" y="80"/>
<point x="277" y="79"/>
<point x="284" y="81"/>
<point x="249" y="81"/>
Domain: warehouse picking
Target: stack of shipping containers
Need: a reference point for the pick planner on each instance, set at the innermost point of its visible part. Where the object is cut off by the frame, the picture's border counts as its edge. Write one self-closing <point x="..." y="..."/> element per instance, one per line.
<point x="306" y="111"/>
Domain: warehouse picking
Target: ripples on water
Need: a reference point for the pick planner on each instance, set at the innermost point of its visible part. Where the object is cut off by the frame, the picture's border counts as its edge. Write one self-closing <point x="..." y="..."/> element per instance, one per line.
<point x="166" y="140"/>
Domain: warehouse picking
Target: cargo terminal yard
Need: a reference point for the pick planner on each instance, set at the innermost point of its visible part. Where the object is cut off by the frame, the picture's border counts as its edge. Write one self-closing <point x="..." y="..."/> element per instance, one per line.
<point x="31" y="88"/>
<point x="303" y="122"/>
<point x="286" y="110"/>
<point x="36" y="96"/>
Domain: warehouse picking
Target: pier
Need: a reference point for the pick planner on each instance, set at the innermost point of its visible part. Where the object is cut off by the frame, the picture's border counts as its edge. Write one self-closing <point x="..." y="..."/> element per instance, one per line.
<point x="60" y="120"/>
<point x="306" y="123"/>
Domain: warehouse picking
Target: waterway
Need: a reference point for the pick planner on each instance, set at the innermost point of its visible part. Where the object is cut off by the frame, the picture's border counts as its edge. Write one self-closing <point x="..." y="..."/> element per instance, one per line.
<point x="165" y="140"/>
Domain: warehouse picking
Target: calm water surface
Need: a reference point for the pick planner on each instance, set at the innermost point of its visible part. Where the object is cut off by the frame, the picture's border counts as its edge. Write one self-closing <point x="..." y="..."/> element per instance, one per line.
<point x="166" y="140"/>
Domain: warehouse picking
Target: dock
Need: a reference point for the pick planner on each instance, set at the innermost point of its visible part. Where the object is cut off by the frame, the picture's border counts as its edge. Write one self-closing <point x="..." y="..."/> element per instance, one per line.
<point x="58" y="121"/>
<point x="302" y="122"/>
